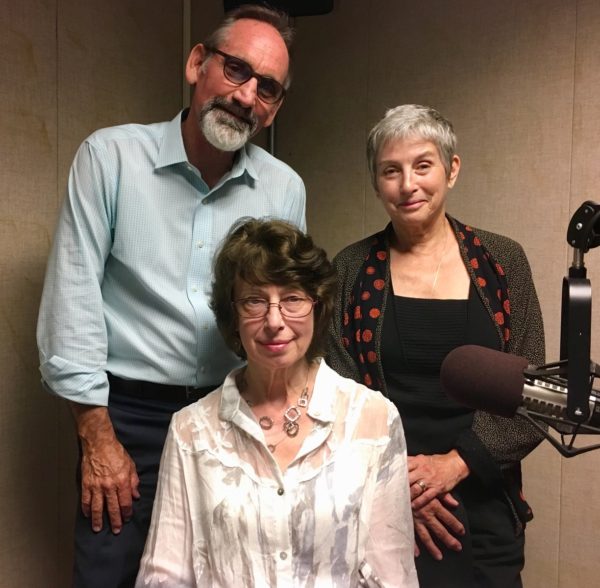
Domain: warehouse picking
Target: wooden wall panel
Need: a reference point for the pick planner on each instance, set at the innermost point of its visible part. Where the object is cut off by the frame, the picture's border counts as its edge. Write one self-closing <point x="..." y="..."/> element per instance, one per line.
<point x="28" y="432"/>
<point x="67" y="68"/>
<point x="580" y="519"/>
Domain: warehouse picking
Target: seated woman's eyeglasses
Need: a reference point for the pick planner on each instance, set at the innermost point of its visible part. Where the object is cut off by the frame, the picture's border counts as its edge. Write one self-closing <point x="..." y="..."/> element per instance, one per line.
<point x="290" y="306"/>
<point x="238" y="72"/>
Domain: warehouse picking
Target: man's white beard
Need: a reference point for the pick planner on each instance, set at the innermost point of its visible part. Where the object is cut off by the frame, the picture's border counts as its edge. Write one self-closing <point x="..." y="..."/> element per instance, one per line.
<point x="223" y="130"/>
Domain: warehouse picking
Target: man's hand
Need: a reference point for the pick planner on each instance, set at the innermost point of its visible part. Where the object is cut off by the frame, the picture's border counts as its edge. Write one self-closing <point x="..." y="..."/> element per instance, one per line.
<point x="108" y="474"/>
<point x="434" y="520"/>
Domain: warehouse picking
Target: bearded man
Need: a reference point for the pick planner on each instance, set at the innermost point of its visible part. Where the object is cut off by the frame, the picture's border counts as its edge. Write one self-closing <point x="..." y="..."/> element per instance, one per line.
<point x="125" y="332"/>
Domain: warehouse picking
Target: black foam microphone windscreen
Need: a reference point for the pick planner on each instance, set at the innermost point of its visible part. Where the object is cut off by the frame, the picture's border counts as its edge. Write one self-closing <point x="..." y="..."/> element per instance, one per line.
<point x="484" y="379"/>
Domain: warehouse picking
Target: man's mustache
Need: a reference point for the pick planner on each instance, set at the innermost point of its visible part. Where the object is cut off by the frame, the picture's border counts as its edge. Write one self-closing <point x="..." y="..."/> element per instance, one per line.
<point x="244" y="114"/>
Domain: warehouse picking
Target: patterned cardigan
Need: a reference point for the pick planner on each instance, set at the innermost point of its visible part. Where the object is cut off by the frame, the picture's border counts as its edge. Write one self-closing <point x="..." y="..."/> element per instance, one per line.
<point x="494" y="446"/>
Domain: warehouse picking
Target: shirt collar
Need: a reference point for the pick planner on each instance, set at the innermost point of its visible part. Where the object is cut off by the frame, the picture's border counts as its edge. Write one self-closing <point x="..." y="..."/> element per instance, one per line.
<point x="230" y="397"/>
<point x="243" y="163"/>
<point x="322" y="402"/>
<point x="172" y="150"/>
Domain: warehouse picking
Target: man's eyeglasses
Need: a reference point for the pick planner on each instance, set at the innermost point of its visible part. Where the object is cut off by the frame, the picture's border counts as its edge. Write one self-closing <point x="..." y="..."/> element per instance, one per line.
<point x="290" y="306"/>
<point x="238" y="72"/>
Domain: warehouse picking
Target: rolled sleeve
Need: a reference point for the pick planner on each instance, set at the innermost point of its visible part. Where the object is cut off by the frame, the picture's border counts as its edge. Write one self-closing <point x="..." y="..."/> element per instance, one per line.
<point x="71" y="331"/>
<point x="74" y="382"/>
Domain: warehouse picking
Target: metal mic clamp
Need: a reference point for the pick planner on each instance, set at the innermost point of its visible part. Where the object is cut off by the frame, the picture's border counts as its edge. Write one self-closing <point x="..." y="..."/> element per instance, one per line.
<point x="583" y="234"/>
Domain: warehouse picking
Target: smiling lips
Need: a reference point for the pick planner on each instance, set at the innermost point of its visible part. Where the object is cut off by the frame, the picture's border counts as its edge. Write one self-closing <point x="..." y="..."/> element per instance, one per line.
<point x="242" y="114"/>
<point x="275" y="345"/>
<point x="411" y="203"/>
<point x="236" y="114"/>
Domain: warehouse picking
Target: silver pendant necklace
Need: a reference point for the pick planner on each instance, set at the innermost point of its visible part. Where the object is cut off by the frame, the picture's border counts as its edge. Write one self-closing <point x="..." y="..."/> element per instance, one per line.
<point x="291" y="415"/>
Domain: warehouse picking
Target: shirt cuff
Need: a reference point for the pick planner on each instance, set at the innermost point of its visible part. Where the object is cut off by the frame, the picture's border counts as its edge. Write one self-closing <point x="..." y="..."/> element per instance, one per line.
<point x="74" y="382"/>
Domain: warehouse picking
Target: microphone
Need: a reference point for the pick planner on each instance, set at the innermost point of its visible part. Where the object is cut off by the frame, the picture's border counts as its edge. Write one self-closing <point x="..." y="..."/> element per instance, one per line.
<point x="505" y="385"/>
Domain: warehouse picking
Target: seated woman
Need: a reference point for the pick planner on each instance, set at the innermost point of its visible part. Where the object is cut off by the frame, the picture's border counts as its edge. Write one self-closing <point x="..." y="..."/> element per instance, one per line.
<point x="409" y="295"/>
<point x="288" y="474"/>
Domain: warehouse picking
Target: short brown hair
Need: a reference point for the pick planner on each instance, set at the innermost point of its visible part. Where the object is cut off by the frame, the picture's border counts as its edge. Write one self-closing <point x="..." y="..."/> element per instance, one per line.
<point x="265" y="252"/>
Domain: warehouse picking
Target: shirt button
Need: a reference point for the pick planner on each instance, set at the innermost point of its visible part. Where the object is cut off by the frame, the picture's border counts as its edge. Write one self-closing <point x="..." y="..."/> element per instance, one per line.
<point x="283" y="555"/>
<point x="200" y="244"/>
<point x="280" y="491"/>
<point x="194" y="289"/>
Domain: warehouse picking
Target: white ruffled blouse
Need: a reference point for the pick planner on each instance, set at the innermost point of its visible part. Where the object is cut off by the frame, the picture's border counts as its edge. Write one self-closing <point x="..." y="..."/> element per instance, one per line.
<point x="226" y="515"/>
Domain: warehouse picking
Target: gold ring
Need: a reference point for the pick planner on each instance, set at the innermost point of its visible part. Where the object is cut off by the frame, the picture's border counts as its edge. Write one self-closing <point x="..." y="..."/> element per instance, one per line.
<point x="421" y="484"/>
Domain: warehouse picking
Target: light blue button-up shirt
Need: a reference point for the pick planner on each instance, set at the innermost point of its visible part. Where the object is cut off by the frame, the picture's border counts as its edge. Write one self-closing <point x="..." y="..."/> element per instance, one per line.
<point x="129" y="275"/>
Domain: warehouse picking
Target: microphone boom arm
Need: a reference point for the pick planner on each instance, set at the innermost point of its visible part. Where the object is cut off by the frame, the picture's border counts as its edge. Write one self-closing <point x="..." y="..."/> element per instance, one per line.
<point x="565" y="449"/>
<point x="552" y="376"/>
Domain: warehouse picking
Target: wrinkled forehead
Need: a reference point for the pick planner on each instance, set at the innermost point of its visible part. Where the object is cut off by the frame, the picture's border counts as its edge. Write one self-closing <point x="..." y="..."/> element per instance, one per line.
<point x="260" y="44"/>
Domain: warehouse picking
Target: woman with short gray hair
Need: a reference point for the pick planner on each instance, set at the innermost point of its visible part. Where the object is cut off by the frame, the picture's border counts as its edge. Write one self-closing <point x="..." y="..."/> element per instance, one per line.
<point x="410" y="294"/>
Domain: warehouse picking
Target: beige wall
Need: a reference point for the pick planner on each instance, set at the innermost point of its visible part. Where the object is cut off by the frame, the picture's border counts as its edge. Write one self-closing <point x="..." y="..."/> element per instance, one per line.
<point x="520" y="80"/>
<point x="67" y="67"/>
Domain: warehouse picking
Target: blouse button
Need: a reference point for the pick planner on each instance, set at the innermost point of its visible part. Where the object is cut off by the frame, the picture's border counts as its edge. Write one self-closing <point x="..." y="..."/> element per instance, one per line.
<point x="283" y="555"/>
<point x="280" y="491"/>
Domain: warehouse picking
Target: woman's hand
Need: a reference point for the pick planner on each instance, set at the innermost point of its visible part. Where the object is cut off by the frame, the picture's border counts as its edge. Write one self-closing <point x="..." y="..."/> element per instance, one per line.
<point x="430" y="476"/>
<point x="434" y="520"/>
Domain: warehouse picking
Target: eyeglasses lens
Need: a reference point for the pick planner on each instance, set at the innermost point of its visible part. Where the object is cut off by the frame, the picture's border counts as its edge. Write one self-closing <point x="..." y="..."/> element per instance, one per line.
<point x="239" y="72"/>
<point x="296" y="307"/>
<point x="291" y="307"/>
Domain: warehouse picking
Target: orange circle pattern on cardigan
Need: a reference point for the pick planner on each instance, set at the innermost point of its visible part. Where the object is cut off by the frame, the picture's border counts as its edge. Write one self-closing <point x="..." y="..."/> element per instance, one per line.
<point x="363" y="313"/>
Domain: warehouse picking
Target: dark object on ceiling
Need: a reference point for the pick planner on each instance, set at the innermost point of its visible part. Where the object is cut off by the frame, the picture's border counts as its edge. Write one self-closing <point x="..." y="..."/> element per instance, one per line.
<point x="292" y="7"/>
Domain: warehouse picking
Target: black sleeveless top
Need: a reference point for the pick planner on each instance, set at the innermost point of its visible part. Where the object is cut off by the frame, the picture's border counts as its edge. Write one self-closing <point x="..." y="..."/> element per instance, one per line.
<point x="417" y="334"/>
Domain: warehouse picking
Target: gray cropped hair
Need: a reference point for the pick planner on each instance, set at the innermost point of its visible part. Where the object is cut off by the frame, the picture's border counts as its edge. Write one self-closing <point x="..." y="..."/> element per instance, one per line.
<point x="278" y="19"/>
<point x="412" y="120"/>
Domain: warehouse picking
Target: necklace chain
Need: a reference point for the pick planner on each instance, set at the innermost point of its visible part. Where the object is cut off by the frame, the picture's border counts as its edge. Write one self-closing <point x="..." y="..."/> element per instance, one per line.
<point x="439" y="265"/>
<point x="291" y="415"/>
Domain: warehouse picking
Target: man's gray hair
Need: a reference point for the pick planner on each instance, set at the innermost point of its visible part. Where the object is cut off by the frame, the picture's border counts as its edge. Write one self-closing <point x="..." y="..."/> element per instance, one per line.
<point x="412" y="120"/>
<point x="278" y="19"/>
